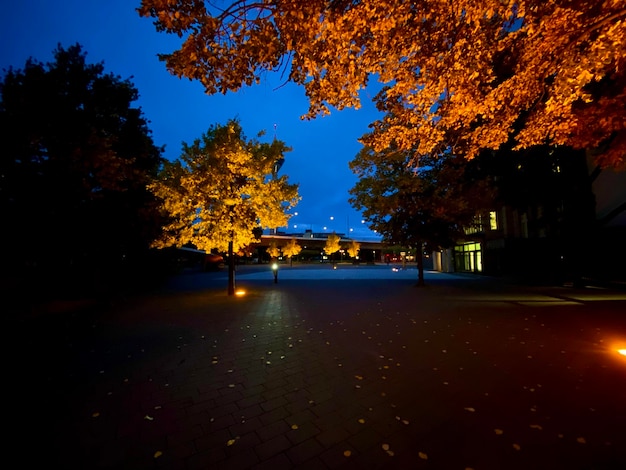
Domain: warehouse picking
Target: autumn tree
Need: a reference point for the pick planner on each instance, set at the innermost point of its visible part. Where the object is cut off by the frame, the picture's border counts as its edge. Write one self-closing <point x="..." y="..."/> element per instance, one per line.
<point x="414" y="206"/>
<point x="76" y="162"/>
<point x="332" y="244"/>
<point x="273" y="250"/>
<point x="221" y="189"/>
<point x="291" y="249"/>
<point x="461" y="75"/>
<point x="353" y="248"/>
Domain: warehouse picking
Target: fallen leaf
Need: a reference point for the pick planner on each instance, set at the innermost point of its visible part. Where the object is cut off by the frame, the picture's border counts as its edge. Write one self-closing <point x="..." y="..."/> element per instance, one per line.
<point x="499" y="432"/>
<point x="581" y="440"/>
<point x="149" y="418"/>
<point x="536" y="426"/>
<point x="230" y="442"/>
<point x="516" y="447"/>
<point x="385" y="446"/>
<point x="362" y="421"/>
<point x="347" y="453"/>
<point x="158" y="454"/>
<point x="423" y="455"/>
<point x="294" y="426"/>
<point x="470" y="409"/>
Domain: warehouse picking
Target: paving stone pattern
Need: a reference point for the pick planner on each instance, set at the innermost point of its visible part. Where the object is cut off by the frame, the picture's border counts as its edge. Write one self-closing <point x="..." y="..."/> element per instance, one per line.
<point x="325" y="372"/>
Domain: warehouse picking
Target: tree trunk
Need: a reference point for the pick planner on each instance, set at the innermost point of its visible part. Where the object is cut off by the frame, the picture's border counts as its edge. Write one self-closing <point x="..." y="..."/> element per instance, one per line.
<point x="420" y="266"/>
<point x="231" y="269"/>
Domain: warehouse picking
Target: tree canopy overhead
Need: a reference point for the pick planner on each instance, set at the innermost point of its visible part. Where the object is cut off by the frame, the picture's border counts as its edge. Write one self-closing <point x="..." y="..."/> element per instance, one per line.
<point x="462" y="74"/>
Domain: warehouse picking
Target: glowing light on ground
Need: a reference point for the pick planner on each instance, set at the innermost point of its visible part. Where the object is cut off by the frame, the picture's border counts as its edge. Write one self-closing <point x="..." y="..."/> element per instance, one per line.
<point x="240" y="292"/>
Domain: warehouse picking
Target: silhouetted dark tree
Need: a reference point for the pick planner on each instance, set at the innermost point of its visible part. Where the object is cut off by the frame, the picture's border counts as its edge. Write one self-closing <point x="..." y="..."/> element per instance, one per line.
<point x="77" y="158"/>
<point x="431" y="204"/>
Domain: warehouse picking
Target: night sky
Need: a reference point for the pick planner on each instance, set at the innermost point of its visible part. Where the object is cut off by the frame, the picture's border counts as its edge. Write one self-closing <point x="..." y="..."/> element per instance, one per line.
<point x="178" y="110"/>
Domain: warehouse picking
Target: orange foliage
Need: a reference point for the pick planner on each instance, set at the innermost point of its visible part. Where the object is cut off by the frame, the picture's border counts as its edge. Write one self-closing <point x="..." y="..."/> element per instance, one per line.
<point x="462" y="74"/>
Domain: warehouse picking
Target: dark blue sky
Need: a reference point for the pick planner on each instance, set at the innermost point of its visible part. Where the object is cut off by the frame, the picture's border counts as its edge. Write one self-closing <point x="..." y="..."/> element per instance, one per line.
<point x="112" y="32"/>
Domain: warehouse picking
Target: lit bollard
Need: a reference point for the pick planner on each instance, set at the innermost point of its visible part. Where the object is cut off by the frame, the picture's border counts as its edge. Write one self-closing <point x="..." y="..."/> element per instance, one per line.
<point x="275" y="269"/>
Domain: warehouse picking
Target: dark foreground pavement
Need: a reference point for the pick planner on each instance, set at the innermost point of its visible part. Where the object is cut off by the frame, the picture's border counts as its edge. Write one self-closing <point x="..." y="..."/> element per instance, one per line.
<point x="353" y="368"/>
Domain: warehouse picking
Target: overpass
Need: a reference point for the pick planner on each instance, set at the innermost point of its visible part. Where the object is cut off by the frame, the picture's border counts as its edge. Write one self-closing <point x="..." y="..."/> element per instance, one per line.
<point x="316" y="240"/>
<point x="314" y="243"/>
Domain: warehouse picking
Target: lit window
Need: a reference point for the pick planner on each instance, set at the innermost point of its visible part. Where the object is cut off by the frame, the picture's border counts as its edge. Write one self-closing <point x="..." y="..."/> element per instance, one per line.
<point x="493" y="221"/>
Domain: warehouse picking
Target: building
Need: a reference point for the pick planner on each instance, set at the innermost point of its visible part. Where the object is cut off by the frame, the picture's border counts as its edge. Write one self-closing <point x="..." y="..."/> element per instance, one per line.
<point x="559" y="219"/>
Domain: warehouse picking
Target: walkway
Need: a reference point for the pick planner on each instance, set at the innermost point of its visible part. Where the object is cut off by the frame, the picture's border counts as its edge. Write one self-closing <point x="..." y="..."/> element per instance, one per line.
<point x="346" y="368"/>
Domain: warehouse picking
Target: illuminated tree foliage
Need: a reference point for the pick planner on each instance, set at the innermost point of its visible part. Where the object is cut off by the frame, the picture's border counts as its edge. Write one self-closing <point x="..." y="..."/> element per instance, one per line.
<point x="416" y="206"/>
<point x="222" y="189"/>
<point x="273" y="250"/>
<point x="353" y="248"/>
<point x="292" y="248"/>
<point x="332" y="244"/>
<point x="461" y="75"/>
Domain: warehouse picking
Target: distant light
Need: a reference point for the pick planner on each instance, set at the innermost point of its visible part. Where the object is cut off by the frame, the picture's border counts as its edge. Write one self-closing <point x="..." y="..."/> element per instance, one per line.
<point x="622" y="352"/>
<point x="240" y="292"/>
<point x="332" y="218"/>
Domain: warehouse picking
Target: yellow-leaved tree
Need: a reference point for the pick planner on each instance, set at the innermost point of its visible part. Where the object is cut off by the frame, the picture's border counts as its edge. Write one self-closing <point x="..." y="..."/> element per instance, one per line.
<point x="332" y="245"/>
<point x="291" y="249"/>
<point x="459" y="75"/>
<point x="221" y="190"/>
<point x="353" y="248"/>
<point x="273" y="250"/>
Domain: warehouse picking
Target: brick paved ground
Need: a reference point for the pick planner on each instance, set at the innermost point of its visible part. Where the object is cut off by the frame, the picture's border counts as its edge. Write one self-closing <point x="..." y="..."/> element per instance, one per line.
<point x="353" y="368"/>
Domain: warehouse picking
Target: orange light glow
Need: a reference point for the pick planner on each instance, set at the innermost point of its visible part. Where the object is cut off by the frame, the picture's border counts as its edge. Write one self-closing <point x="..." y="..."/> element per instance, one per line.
<point x="240" y="292"/>
<point x="622" y="351"/>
